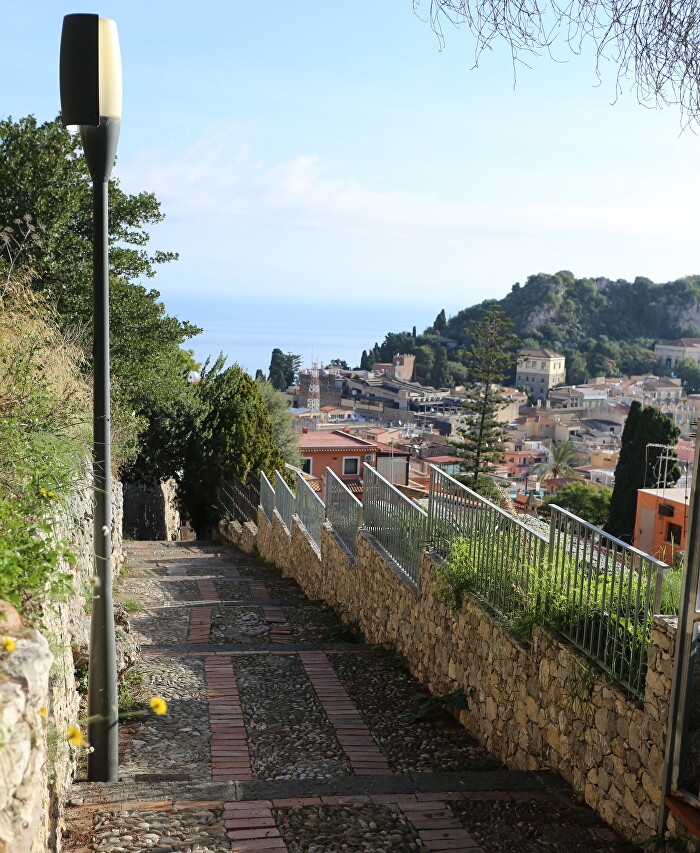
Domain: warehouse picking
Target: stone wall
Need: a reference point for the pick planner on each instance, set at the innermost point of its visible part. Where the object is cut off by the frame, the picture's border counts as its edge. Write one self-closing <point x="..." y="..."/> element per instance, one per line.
<point x="36" y="761"/>
<point x="151" y="511"/>
<point x="546" y="706"/>
<point x="242" y="536"/>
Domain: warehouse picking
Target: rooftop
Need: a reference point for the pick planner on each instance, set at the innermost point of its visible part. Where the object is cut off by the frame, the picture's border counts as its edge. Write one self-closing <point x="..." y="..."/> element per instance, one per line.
<point x="540" y="353"/>
<point x="333" y="440"/>
<point x="677" y="495"/>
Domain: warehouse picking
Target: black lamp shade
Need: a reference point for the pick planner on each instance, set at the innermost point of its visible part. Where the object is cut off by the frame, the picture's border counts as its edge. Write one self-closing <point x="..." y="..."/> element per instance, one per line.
<point x="79" y="71"/>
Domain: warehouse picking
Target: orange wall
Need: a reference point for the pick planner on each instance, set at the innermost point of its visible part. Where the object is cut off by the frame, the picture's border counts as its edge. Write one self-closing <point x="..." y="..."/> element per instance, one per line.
<point x="322" y="459"/>
<point x="661" y="547"/>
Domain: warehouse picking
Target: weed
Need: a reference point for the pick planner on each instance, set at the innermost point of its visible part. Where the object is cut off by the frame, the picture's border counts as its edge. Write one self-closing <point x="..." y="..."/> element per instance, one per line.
<point x="131" y="605"/>
<point x="433" y="707"/>
<point x="338" y="631"/>
<point x="131" y="694"/>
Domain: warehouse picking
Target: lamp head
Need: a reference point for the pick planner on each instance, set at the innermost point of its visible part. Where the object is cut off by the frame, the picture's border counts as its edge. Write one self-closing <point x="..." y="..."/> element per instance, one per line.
<point x="90" y="71"/>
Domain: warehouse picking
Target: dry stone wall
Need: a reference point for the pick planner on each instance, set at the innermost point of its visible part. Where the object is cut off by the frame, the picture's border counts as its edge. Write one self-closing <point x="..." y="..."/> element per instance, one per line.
<point x="545" y="706"/>
<point x="38" y="692"/>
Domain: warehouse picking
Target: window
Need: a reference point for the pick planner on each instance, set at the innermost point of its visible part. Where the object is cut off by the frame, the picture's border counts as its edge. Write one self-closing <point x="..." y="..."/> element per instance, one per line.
<point x="668" y="362"/>
<point x="673" y="533"/>
<point x="306" y="465"/>
<point x="542" y="365"/>
<point x="351" y="466"/>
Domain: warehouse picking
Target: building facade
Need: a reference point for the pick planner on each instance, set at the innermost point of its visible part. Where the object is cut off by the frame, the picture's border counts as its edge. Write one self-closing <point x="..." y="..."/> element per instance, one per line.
<point x="539" y="370"/>
<point x="670" y="352"/>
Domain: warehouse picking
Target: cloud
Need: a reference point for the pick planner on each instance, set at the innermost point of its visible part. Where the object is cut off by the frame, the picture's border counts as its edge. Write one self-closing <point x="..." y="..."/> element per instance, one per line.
<point x="304" y="221"/>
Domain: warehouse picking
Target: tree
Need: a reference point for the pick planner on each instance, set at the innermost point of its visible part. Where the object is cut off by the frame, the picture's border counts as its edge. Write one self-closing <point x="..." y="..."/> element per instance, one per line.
<point x="658" y="45"/>
<point x="46" y="228"/>
<point x="688" y="371"/>
<point x="283" y="433"/>
<point x="558" y="465"/>
<point x="339" y="362"/>
<point x="588" y="501"/>
<point x="492" y="356"/>
<point x="231" y="433"/>
<point x="440" y="376"/>
<point x="440" y="323"/>
<point x="641" y="465"/>
<point x="44" y="177"/>
<point x="283" y="368"/>
<point x="365" y="361"/>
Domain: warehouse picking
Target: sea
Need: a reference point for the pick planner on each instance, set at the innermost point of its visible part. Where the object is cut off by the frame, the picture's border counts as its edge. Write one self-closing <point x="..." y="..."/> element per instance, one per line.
<point x="246" y="330"/>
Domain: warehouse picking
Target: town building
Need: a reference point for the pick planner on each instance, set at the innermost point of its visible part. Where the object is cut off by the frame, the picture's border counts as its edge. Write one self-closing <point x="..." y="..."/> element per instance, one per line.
<point x="670" y="353"/>
<point x="661" y="521"/>
<point x="539" y="370"/>
<point x="401" y="367"/>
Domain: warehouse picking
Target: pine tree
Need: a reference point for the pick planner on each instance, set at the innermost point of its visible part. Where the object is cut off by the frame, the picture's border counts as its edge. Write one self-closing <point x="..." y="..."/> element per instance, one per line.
<point x="364" y="361"/>
<point x="492" y="355"/>
<point x="414" y="333"/>
<point x="440" y="323"/>
<point x="641" y="466"/>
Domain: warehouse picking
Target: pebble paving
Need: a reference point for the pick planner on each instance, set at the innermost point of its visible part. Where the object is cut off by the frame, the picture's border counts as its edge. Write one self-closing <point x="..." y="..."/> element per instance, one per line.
<point x="296" y="741"/>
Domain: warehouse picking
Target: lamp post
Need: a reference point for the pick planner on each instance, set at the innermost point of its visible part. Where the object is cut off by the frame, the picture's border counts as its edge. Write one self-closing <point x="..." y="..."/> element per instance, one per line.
<point x="91" y="96"/>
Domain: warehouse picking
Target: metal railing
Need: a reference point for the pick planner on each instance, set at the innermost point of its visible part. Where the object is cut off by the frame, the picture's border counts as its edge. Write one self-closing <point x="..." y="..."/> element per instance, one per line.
<point x="237" y="499"/>
<point x="267" y="496"/>
<point x="395" y="521"/>
<point x="602" y="597"/>
<point x="310" y="509"/>
<point x="284" y="500"/>
<point x="501" y="557"/>
<point x="343" y="510"/>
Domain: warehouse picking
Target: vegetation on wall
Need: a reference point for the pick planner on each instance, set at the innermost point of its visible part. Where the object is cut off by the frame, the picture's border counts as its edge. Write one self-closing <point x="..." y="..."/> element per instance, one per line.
<point x="43" y="440"/>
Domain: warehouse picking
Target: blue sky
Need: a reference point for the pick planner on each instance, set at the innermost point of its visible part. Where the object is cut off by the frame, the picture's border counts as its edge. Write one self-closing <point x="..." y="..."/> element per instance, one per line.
<point x="306" y="150"/>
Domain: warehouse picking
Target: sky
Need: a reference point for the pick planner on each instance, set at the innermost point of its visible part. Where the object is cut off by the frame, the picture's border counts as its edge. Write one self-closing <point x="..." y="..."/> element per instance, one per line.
<point x="320" y="160"/>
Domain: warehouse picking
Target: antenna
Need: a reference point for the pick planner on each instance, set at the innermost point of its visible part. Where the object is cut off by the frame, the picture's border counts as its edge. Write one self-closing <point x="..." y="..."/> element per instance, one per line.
<point x="313" y="403"/>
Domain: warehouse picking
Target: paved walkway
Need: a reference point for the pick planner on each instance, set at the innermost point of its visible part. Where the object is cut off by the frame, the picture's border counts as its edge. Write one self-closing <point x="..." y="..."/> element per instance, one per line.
<point x="281" y="734"/>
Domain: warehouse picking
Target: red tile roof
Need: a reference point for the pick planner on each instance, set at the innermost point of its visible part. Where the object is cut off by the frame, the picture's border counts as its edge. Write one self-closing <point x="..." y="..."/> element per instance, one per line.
<point x="333" y="440"/>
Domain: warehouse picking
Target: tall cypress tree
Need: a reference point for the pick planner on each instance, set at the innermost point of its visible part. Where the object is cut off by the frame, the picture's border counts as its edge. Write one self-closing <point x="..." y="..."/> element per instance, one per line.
<point x="440" y="376"/>
<point x="492" y="355"/>
<point x="641" y="466"/>
<point x="440" y="323"/>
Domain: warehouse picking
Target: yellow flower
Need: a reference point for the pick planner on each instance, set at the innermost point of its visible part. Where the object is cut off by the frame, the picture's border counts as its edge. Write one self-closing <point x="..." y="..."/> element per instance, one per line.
<point x="53" y="495"/>
<point x="158" y="706"/>
<point x="43" y="493"/>
<point x="75" y="737"/>
<point x="43" y="711"/>
<point x="8" y="644"/>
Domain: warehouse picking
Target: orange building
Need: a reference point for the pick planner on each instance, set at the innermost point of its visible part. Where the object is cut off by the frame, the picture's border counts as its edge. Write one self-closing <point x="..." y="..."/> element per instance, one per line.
<point x="346" y="455"/>
<point x="660" y="525"/>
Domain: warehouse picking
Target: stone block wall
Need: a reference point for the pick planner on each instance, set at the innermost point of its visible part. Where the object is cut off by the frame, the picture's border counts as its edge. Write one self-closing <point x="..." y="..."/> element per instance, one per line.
<point x="242" y="536"/>
<point x="546" y="706"/>
<point x="151" y="511"/>
<point x="36" y="761"/>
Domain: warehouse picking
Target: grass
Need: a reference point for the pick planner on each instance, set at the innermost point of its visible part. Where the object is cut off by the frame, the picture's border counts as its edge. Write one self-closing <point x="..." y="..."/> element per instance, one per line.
<point x="131" y="605"/>
<point x="131" y="694"/>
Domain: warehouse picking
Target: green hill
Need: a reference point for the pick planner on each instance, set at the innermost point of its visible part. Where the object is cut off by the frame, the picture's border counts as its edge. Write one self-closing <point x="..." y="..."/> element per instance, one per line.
<point x="603" y="327"/>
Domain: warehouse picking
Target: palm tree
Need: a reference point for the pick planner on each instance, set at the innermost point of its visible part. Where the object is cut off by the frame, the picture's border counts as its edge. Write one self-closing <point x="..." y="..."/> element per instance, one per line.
<point x="558" y="465"/>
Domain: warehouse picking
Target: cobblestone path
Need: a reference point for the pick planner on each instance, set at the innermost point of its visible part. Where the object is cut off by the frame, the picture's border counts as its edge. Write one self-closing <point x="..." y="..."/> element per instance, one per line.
<point x="281" y="735"/>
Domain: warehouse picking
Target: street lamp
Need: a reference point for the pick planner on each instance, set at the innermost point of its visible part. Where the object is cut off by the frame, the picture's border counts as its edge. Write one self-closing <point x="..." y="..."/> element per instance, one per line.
<point x="91" y="101"/>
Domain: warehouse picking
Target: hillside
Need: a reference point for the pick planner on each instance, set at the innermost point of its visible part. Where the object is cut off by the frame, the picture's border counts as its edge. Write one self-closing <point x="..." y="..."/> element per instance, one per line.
<point x="603" y="327"/>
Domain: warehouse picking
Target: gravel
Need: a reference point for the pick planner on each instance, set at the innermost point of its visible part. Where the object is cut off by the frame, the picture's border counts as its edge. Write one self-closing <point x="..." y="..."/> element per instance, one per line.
<point x="387" y="697"/>
<point x="167" y="627"/>
<point x="355" y="828"/>
<point x="309" y="624"/>
<point x="284" y="590"/>
<point x="289" y="734"/>
<point x="195" y="831"/>
<point x="158" y="592"/>
<point x="177" y="742"/>
<point x="233" y="590"/>
<point x="532" y="826"/>
<point x="238" y="625"/>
